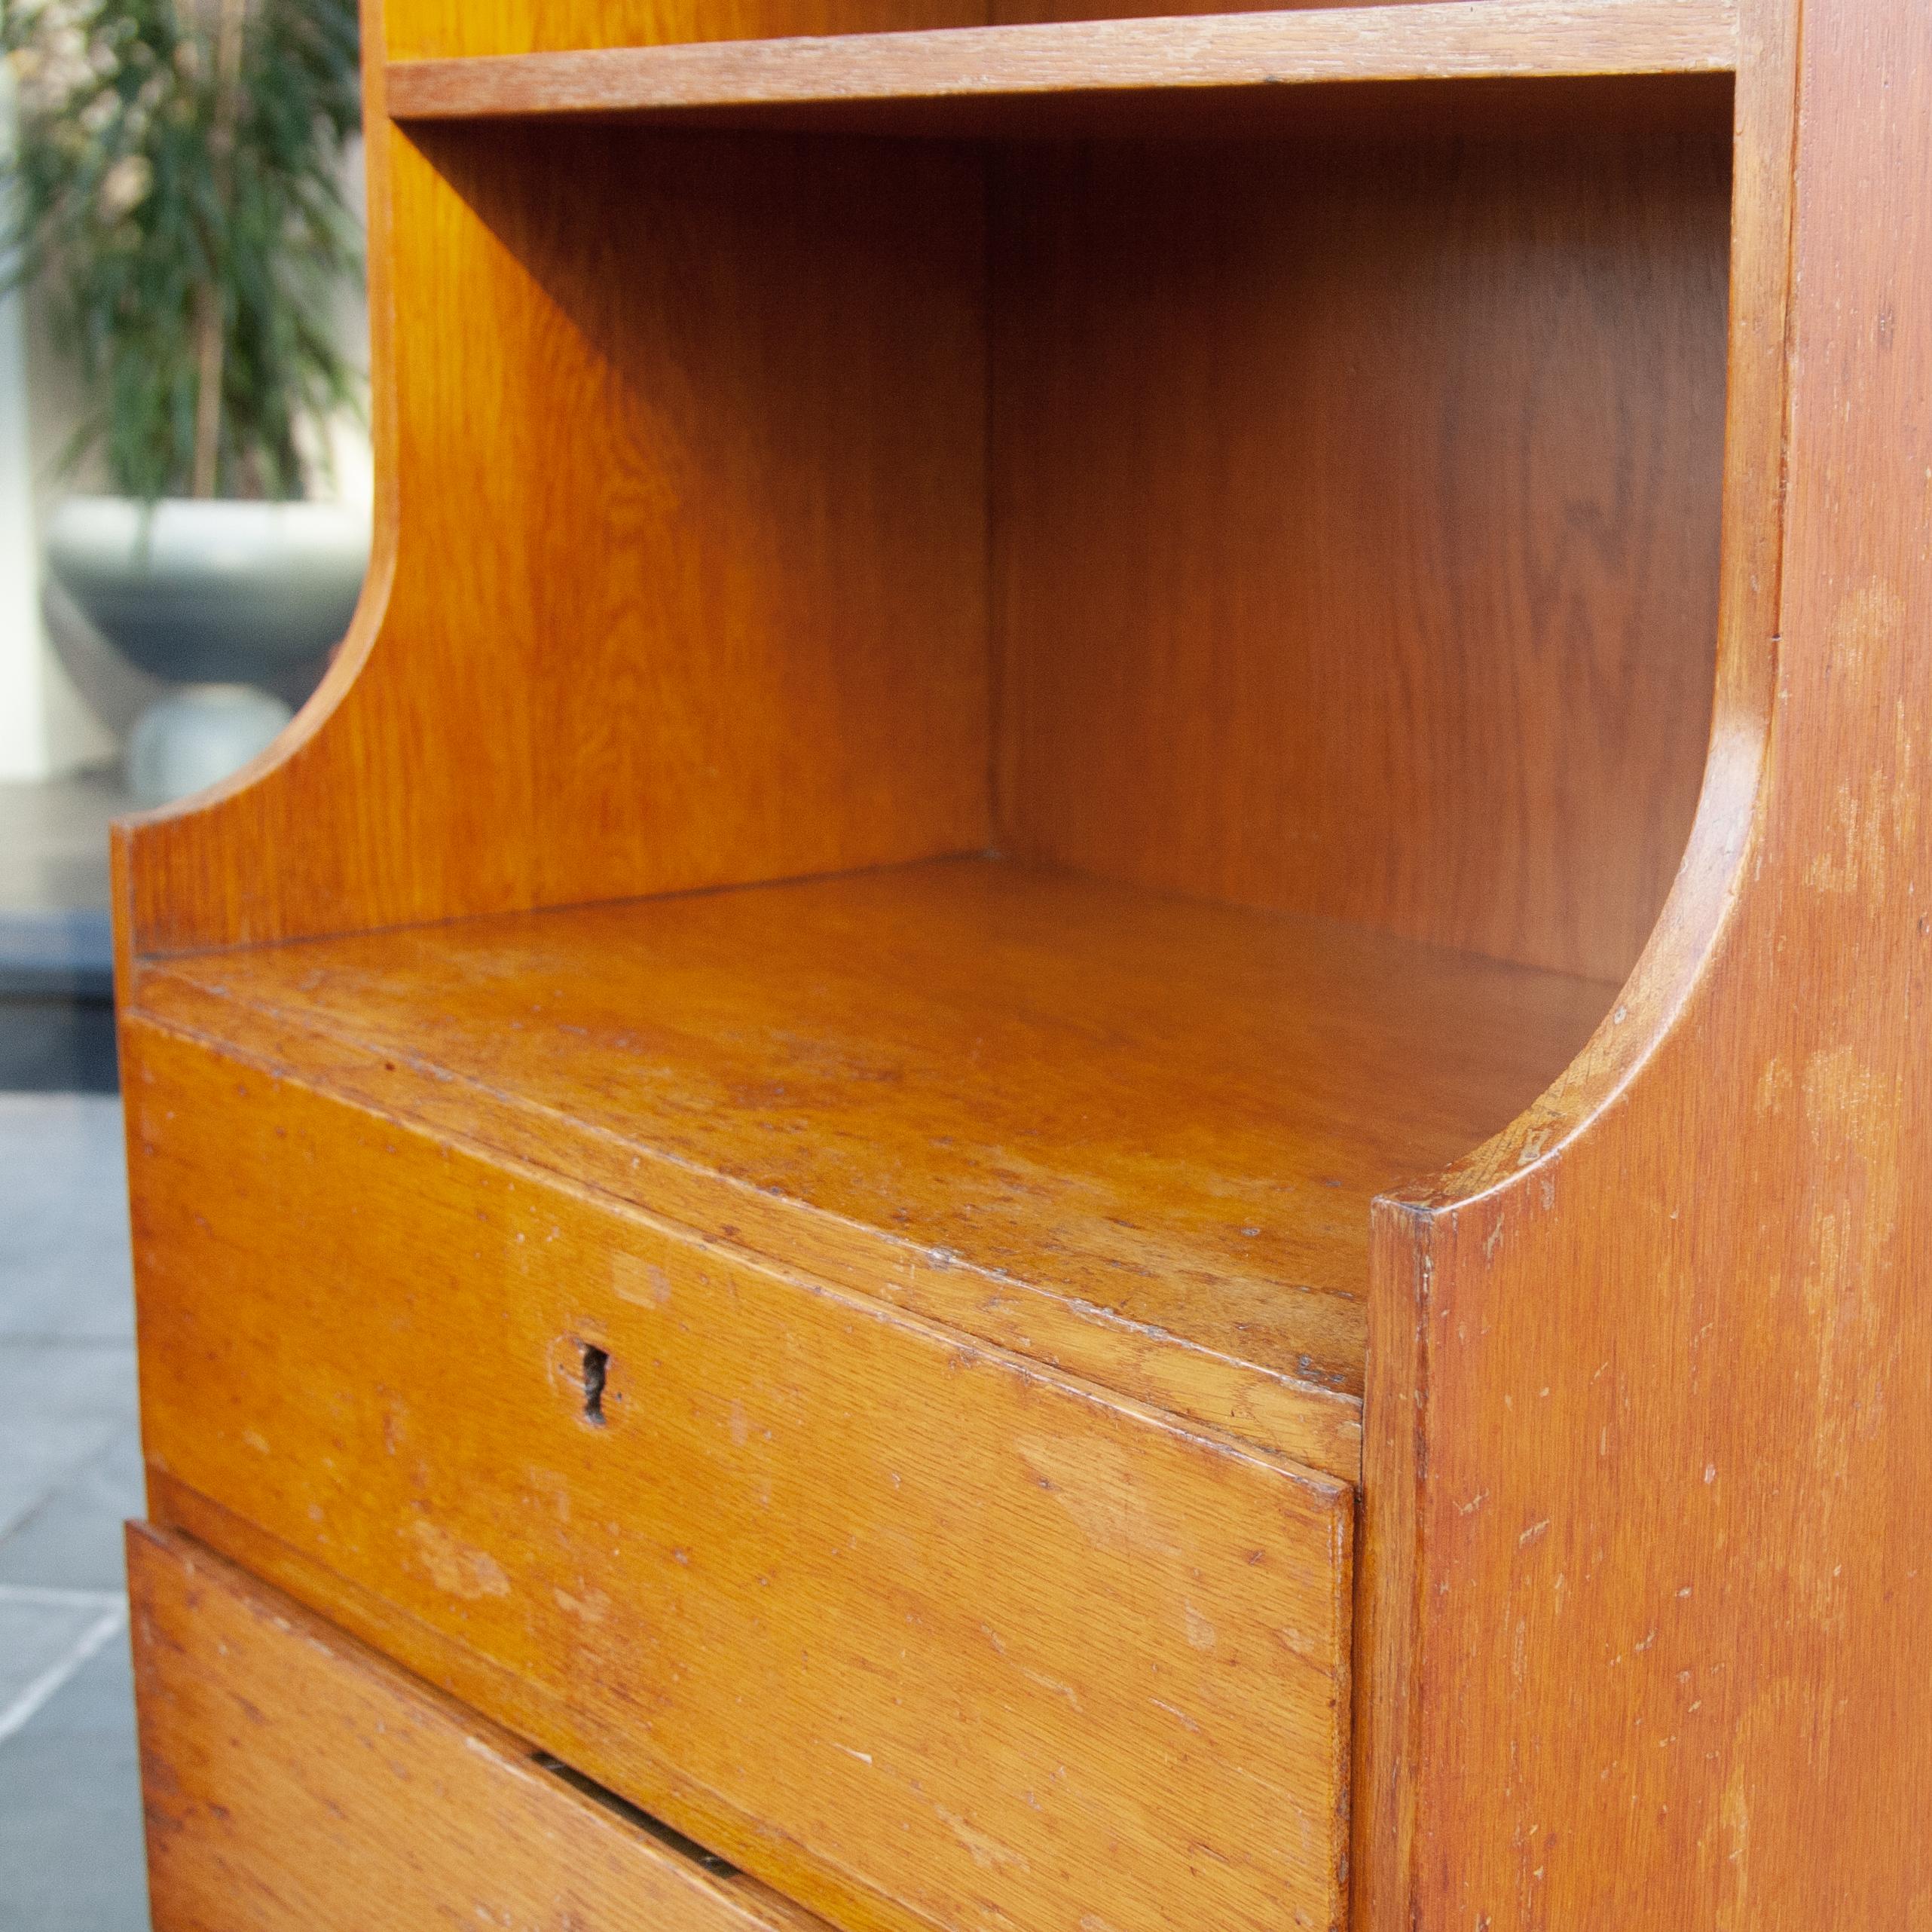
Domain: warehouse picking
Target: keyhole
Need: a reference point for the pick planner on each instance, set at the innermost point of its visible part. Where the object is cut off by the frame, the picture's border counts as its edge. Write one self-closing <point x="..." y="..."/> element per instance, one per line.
<point x="597" y="1365"/>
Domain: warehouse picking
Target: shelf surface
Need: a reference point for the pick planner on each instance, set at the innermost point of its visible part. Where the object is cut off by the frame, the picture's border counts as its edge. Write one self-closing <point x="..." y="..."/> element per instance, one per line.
<point x="1102" y="1125"/>
<point x="863" y="80"/>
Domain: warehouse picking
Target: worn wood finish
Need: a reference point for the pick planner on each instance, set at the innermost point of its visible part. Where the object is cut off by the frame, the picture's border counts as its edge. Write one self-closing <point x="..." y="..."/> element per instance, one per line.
<point x="1394" y="1615"/>
<point x="1332" y="529"/>
<point x="1135" y="1132"/>
<point x="278" y="1754"/>
<point x="1019" y="13"/>
<point x="1453" y="41"/>
<point x="969" y="1635"/>
<point x="527" y="1702"/>
<point x="1454" y="541"/>
<point x="1660" y="1520"/>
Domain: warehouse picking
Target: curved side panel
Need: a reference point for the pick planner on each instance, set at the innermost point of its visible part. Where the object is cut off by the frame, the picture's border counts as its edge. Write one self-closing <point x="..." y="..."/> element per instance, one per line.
<point x="681" y="573"/>
<point x="1649" y="1607"/>
<point x="166" y="843"/>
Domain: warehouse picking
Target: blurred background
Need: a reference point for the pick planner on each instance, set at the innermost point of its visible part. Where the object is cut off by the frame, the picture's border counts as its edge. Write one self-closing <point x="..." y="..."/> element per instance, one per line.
<point x="184" y="492"/>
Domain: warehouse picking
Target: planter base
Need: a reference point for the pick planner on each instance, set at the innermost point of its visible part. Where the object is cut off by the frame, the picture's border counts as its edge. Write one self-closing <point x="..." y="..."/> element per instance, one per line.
<point x="198" y="735"/>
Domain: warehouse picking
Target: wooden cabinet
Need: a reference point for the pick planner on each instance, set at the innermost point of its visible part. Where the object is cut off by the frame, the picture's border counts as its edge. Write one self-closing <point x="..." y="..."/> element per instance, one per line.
<point x="1072" y="1081"/>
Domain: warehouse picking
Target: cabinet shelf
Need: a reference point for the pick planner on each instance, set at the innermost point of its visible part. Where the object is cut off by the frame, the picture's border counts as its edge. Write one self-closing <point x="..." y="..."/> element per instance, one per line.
<point x="1247" y="71"/>
<point x="1023" y="1102"/>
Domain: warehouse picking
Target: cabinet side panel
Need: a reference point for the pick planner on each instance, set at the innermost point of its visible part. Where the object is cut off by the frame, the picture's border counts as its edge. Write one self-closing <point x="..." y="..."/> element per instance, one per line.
<point x="1673" y="1606"/>
<point x="1356" y="524"/>
<point x="690" y="585"/>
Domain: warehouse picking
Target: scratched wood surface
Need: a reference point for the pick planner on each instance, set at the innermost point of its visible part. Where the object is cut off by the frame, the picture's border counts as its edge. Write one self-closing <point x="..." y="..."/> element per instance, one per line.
<point x="1136" y="1133"/>
<point x="278" y="1754"/>
<point x="1641" y="1603"/>
<point x="1661" y="1506"/>
<point x="965" y="1638"/>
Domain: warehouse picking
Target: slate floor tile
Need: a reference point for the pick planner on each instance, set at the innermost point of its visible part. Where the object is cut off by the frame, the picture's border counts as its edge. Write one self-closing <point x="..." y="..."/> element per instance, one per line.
<point x="64" y="1273"/>
<point x="72" y="1539"/>
<point x="71" y="1854"/>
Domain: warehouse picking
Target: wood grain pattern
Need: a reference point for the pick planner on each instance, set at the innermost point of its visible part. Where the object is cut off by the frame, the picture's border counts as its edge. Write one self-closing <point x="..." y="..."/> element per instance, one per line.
<point x="776" y="580"/>
<point x="769" y="593"/>
<point x="279" y="1753"/>
<point x="1657" y="1518"/>
<point x="463" y="28"/>
<point x="459" y="29"/>
<point x="1029" y="1104"/>
<point x="1336" y="528"/>
<point x="1019" y="13"/>
<point x="969" y="1636"/>
<point x="1422" y="41"/>
<point x="1421" y="634"/>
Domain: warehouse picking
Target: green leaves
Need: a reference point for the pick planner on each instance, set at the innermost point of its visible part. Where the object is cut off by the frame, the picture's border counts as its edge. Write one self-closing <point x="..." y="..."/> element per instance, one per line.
<point x="182" y="227"/>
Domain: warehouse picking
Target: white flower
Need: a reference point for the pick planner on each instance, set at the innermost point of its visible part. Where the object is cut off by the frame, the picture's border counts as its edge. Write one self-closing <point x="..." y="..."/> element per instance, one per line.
<point x="55" y="65"/>
<point x="124" y="187"/>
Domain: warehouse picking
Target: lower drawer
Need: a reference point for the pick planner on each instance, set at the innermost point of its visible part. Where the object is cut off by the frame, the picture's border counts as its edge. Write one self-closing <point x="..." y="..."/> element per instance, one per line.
<point x="296" y="1782"/>
<point x="921" y="1633"/>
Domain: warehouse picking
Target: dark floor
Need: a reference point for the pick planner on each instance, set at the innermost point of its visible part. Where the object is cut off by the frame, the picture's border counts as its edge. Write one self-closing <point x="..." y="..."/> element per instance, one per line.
<point x="57" y="1011"/>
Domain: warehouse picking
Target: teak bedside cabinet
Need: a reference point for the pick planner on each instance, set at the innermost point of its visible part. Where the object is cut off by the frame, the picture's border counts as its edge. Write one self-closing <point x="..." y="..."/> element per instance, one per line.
<point x="1078" y="1080"/>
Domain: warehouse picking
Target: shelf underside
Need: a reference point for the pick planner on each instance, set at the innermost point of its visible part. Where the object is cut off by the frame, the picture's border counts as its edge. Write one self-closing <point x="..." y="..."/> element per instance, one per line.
<point x="1571" y="62"/>
<point x="1031" y="1104"/>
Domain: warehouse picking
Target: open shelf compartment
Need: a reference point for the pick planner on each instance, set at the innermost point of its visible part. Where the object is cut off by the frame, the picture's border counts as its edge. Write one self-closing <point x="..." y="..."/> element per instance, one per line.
<point x="1218" y="635"/>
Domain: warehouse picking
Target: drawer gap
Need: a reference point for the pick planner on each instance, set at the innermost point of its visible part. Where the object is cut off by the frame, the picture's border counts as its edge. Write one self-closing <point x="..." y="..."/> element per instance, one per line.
<point x="671" y="1838"/>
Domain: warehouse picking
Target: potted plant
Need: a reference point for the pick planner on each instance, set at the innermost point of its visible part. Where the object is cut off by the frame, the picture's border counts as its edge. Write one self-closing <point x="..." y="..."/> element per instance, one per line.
<point x="176" y="192"/>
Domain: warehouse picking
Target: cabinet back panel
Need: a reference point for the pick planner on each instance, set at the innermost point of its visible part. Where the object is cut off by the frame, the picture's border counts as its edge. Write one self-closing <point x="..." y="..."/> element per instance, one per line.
<point x="1357" y="524"/>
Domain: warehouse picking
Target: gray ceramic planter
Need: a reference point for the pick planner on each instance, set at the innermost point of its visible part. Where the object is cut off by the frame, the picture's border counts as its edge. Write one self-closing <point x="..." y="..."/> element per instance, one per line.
<point x="219" y="596"/>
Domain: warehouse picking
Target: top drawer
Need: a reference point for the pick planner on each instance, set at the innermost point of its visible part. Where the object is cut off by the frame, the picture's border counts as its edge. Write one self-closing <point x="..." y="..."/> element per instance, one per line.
<point x="918" y="1630"/>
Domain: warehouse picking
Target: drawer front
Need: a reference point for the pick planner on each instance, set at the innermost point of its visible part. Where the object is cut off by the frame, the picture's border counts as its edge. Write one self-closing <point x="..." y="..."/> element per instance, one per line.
<point x="918" y="1630"/>
<point x="295" y="1781"/>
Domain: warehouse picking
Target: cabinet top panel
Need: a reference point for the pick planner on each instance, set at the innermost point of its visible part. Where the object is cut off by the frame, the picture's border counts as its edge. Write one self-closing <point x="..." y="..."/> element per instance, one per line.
<point x="1241" y="71"/>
